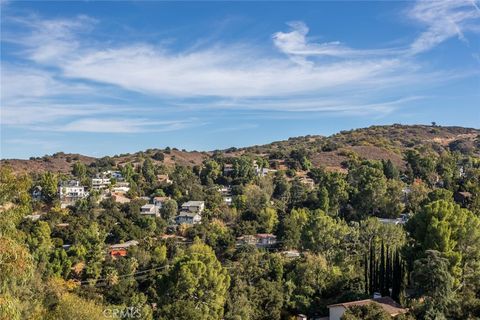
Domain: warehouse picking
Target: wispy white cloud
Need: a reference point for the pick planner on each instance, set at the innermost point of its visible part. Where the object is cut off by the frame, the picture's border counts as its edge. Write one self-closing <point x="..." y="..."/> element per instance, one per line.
<point x="67" y="64"/>
<point x="295" y="42"/>
<point x="120" y="125"/>
<point x="443" y="20"/>
<point x="218" y="71"/>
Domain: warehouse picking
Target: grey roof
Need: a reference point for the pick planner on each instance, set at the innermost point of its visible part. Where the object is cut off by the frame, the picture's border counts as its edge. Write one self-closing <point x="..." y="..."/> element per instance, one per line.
<point x="124" y="245"/>
<point x="193" y="203"/>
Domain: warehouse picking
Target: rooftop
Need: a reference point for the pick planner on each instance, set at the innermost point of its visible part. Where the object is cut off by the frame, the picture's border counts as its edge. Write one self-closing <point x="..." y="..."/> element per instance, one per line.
<point x="387" y="304"/>
<point x="193" y="203"/>
<point x="124" y="245"/>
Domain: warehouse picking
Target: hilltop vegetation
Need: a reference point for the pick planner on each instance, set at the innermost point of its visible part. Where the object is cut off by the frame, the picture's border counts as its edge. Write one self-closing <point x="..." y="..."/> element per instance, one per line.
<point x="289" y="227"/>
<point x="373" y="143"/>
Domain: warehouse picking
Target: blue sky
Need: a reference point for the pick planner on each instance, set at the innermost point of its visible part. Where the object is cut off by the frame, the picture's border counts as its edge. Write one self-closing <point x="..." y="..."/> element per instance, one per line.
<point x="103" y="78"/>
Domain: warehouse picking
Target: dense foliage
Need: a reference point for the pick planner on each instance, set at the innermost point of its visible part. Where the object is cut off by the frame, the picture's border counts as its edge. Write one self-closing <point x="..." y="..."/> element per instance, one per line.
<point x="333" y="218"/>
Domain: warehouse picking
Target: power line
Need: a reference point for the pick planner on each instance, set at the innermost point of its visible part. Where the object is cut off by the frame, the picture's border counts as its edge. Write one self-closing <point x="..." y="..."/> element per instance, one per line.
<point x="124" y="276"/>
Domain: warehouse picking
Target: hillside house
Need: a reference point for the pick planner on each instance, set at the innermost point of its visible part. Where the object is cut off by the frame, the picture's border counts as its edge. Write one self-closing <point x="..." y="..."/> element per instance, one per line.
<point x="266" y="240"/>
<point x="121" y="187"/>
<point x="33" y="217"/>
<point x="117" y="175"/>
<point x="194" y="206"/>
<point x="100" y="183"/>
<point x="308" y="182"/>
<point x="227" y="169"/>
<point x="159" y="201"/>
<point x="164" y="179"/>
<point x="402" y="220"/>
<point x="37" y="193"/>
<point x="150" y="209"/>
<point x="260" y="171"/>
<point x="291" y="254"/>
<point x="71" y="191"/>
<point x="121" y="249"/>
<point x="187" y="217"/>
<point x="260" y="240"/>
<point x="226" y="193"/>
<point x="228" y="200"/>
<point x="336" y="311"/>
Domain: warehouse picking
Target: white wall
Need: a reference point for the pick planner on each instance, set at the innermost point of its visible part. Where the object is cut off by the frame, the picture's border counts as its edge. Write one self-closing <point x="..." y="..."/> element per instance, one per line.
<point x="335" y="313"/>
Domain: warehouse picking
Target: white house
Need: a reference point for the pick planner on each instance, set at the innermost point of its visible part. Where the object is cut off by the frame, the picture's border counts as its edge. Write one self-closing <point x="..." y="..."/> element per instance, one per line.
<point x="336" y="311"/>
<point x="402" y="220"/>
<point x="226" y="193"/>
<point x="100" y="183"/>
<point x="71" y="191"/>
<point x="228" y="200"/>
<point x="260" y="171"/>
<point x="150" y="210"/>
<point x="194" y="206"/>
<point x="117" y="175"/>
<point x="121" y="187"/>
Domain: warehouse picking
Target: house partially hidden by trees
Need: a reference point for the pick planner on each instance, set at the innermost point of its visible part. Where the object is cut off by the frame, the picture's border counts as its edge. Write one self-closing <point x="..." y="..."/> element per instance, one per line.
<point x="260" y="240"/>
<point x="37" y="193"/>
<point x="121" y="249"/>
<point x="336" y="311"/>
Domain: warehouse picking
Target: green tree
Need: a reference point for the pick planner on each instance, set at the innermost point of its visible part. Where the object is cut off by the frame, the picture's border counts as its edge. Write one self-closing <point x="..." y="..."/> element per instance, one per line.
<point x="444" y="226"/>
<point x="311" y="278"/>
<point x="195" y="287"/>
<point x="370" y="311"/>
<point x="148" y="171"/>
<point x="210" y="172"/>
<point x="79" y="170"/>
<point x="389" y="169"/>
<point x="433" y="282"/>
<point x="267" y="219"/>
<point x="68" y="307"/>
<point x="169" y="209"/>
<point x="49" y="184"/>
<point x="292" y="227"/>
<point x="41" y="245"/>
<point x="369" y="187"/>
<point x="326" y="235"/>
<point x="393" y="202"/>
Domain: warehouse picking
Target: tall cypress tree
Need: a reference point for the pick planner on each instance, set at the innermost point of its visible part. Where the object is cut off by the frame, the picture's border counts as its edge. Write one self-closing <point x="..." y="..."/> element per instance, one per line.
<point x="365" y="268"/>
<point x="397" y="277"/>
<point x="382" y="275"/>
<point x="372" y="268"/>
<point x="388" y="271"/>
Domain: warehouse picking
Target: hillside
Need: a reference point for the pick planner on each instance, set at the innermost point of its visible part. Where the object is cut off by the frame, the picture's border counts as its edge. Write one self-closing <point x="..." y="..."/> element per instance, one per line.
<point x="372" y="143"/>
